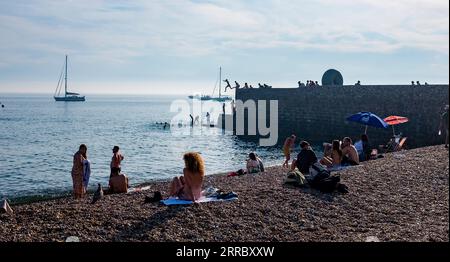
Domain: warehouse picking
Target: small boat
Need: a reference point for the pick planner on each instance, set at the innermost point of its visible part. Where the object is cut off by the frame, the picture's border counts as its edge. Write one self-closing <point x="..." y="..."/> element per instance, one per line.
<point x="219" y="98"/>
<point x="68" y="96"/>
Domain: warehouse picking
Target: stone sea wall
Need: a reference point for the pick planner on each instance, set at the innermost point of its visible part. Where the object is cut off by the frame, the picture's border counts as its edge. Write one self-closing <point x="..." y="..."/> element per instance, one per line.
<point x="319" y="114"/>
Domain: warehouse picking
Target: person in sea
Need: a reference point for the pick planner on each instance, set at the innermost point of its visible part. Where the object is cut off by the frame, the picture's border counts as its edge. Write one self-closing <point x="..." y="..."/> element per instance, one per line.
<point x="305" y="158"/>
<point x="443" y="126"/>
<point x="253" y="164"/>
<point x="118" y="182"/>
<point x="287" y="149"/>
<point x="208" y="118"/>
<point x="78" y="171"/>
<point x="197" y="120"/>
<point x="189" y="186"/>
<point x="349" y="152"/>
<point x="116" y="160"/>
<point x="192" y="119"/>
<point x="233" y="106"/>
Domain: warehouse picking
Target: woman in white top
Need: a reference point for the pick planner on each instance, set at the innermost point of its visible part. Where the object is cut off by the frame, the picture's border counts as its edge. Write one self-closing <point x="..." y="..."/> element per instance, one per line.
<point x="253" y="165"/>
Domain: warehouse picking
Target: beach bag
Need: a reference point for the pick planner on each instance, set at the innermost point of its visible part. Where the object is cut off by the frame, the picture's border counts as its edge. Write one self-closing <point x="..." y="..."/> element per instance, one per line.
<point x="295" y="178"/>
<point x="327" y="185"/>
<point x="318" y="172"/>
<point x="240" y="172"/>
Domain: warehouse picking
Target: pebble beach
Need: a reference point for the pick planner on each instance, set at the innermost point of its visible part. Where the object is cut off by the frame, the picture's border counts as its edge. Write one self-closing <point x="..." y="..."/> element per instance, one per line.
<point x="401" y="197"/>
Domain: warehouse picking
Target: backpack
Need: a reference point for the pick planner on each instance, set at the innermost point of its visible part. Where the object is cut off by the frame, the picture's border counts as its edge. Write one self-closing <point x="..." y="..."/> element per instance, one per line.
<point x="295" y="178"/>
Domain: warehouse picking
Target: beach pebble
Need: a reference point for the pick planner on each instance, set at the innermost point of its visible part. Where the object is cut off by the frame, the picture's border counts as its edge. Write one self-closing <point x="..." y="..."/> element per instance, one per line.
<point x="372" y="239"/>
<point x="72" y="239"/>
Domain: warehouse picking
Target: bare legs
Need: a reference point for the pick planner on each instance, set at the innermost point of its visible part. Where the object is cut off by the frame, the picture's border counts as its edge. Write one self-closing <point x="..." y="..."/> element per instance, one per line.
<point x="176" y="185"/>
<point x="286" y="162"/>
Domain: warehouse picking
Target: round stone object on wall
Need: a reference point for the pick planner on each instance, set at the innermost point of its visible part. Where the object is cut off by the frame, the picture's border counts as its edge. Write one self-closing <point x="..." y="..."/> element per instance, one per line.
<point x="332" y="77"/>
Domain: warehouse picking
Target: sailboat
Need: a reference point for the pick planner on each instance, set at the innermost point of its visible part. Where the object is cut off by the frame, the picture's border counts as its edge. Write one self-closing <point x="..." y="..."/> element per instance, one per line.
<point x="68" y="96"/>
<point x="219" y="98"/>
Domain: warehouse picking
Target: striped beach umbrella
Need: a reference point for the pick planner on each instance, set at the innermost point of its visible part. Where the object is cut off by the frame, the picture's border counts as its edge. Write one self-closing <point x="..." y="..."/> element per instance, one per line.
<point x="395" y="120"/>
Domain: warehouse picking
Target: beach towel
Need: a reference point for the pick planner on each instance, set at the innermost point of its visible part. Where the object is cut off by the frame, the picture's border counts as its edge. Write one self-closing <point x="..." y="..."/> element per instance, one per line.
<point x="86" y="172"/>
<point x="138" y="189"/>
<point x="175" y="201"/>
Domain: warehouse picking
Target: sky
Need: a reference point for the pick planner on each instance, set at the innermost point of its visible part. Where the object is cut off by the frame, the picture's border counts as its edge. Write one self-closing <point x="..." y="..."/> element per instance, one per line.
<point x="177" y="46"/>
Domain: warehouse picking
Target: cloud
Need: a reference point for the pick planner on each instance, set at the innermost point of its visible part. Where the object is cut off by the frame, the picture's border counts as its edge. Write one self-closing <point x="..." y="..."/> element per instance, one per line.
<point x="118" y="31"/>
<point x="121" y="34"/>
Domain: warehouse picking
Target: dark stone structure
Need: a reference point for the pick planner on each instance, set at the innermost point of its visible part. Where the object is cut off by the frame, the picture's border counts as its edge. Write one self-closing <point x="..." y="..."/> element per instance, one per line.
<point x="332" y="77"/>
<point x="318" y="114"/>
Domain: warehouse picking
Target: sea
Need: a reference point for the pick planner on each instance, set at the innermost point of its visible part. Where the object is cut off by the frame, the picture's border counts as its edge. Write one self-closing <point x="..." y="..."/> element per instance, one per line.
<point x="39" y="136"/>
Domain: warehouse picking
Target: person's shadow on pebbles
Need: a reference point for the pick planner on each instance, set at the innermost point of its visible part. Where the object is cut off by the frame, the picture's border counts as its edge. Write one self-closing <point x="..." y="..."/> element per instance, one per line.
<point x="142" y="230"/>
<point x="306" y="189"/>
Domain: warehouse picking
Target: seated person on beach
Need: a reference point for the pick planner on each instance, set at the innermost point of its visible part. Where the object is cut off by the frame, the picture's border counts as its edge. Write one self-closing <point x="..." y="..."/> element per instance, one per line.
<point x="253" y="164"/>
<point x="189" y="186"/>
<point x="390" y="145"/>
<point x="349" y="152"/>
<point x="366" y="148"/>
<point x="336" y="153"/>
<point x="305" y="158"/>
<point x="327" y="160"/>
<point x="363" y="147"/>
<point x="118" y="183"/>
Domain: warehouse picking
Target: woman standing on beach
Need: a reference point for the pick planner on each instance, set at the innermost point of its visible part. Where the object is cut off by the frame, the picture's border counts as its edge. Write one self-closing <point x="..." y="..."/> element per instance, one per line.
<point x="77" y="171"/>
<point x="287" y="149"/>
<point x="189" y="186"/>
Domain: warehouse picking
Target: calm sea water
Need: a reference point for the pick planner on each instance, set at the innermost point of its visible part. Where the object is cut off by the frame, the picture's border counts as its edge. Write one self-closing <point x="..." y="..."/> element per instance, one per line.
<point x="39" y="136"/>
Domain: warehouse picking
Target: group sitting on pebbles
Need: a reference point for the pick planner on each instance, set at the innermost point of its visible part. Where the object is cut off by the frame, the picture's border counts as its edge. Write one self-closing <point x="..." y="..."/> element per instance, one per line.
<point x="189" y="185"/>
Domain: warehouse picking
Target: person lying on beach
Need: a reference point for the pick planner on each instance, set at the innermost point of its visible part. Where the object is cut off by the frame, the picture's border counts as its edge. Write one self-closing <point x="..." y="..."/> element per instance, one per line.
<point x="189" y="186"/>
<point x="287" y="148"/>
<point x="118" y="183"/>
<point x="305" y="158"/>
<point x="349" y="152"/>
<point x="116" y="160"/>
<point x="253" y="164"/>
